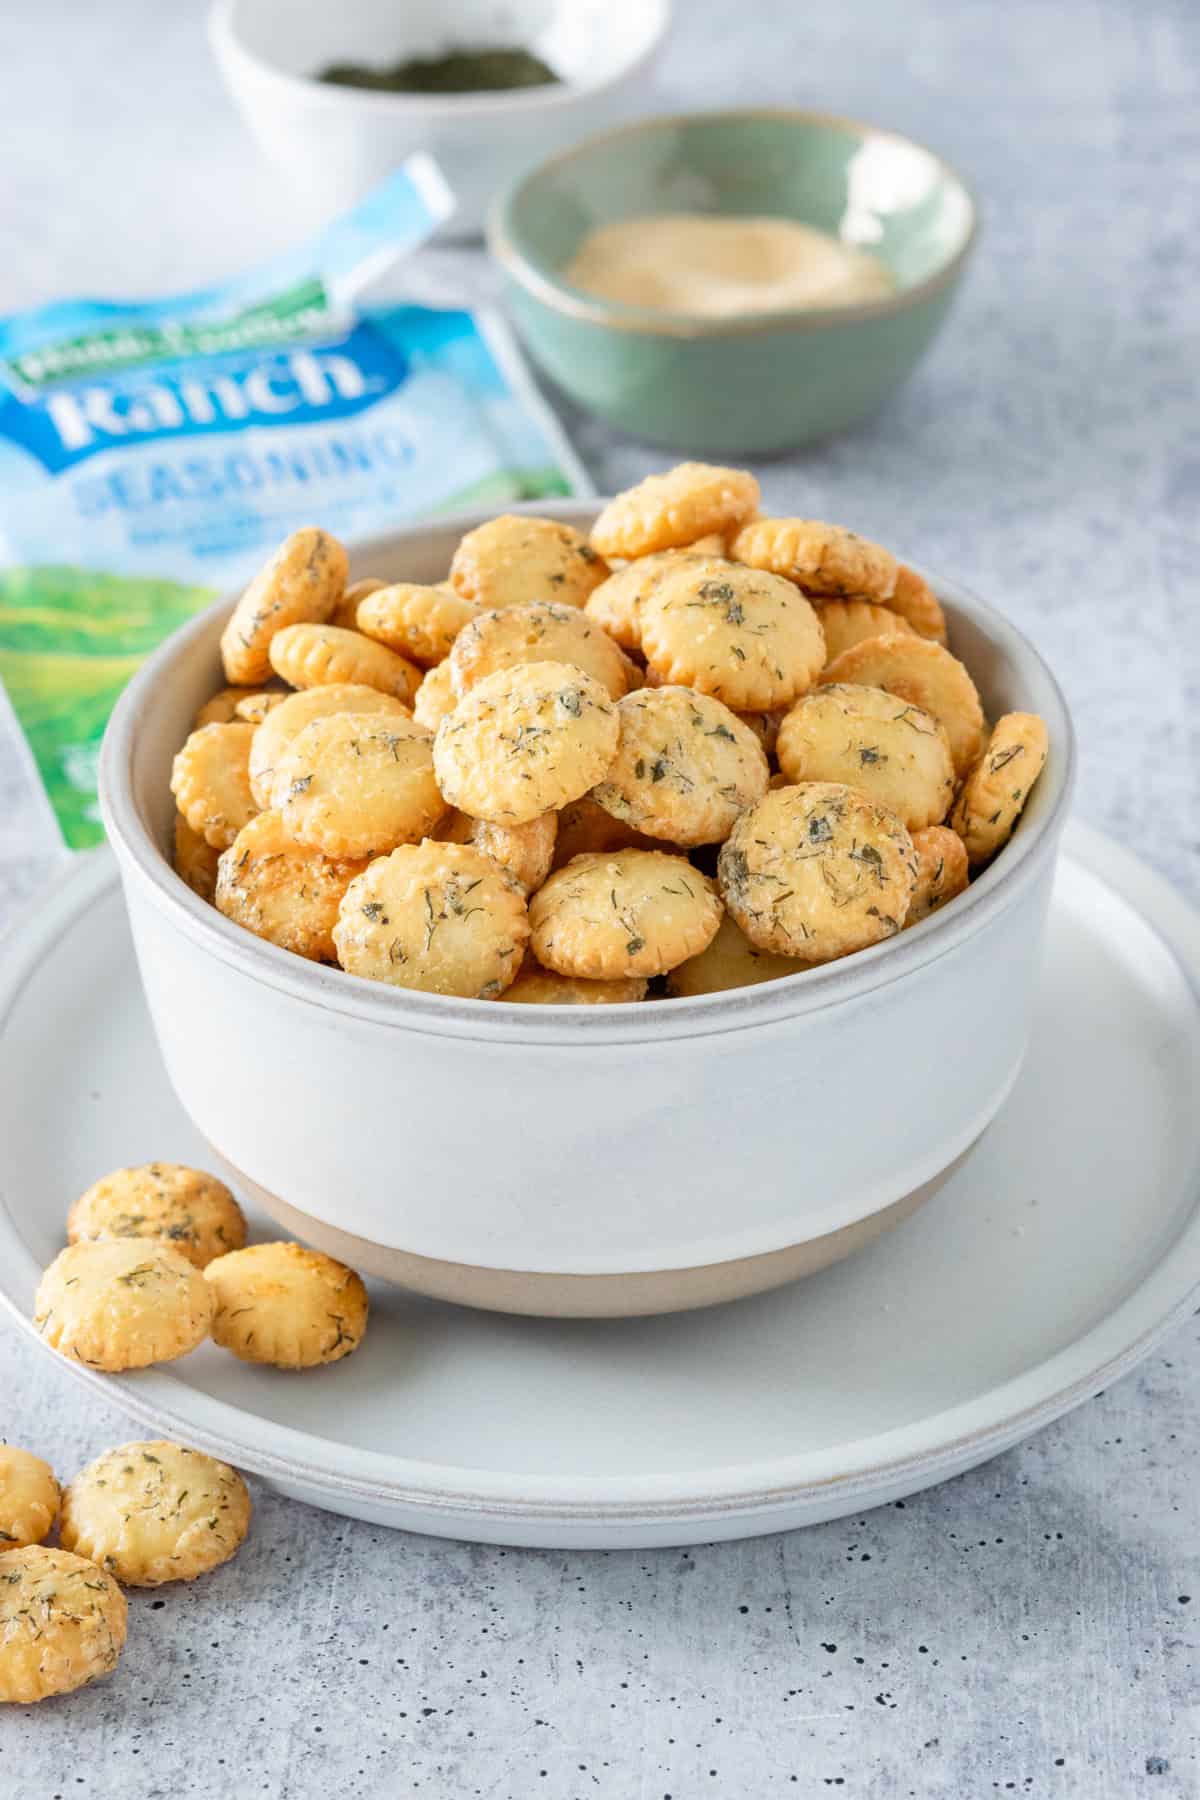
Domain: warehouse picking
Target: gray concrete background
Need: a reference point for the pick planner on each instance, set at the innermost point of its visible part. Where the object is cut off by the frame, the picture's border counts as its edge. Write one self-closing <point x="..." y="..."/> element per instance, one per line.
<point x="1030" y="1628"/>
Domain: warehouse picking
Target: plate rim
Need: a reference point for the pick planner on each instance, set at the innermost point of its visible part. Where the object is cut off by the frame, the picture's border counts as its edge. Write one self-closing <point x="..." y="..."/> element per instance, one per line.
<point x="914" y="1455"/>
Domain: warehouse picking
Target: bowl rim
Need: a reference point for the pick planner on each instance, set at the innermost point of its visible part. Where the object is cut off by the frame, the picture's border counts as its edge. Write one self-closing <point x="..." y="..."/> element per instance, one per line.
<point x="547" y="285"/>
<point x="227" y="43"/>
<point x="335" y="991"/>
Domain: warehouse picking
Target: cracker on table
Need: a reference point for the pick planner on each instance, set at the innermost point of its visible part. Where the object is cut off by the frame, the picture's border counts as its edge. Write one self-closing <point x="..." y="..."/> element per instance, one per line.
<point x="62" y="1623"/>
<point x="29" y="1500"/>
<point x="152" y="1512"/>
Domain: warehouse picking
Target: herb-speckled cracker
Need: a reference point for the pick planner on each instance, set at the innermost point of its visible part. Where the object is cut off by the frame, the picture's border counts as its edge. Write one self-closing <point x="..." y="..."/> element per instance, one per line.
<point x="636" y="912"/>
<point x="287" y="1306"/>
<point x="435" y="697"/>
<point x="186" y="1208"/>
<point x="672" y="510"/>
<point x="942" y="871"/>
<point x="416" y="621"/>
<point x="29" y="1499"/>
<point x="894" y="752"/>
<point x="817" y="871"/>
<point x="309" y="656"/>
<point x="62" y="1623"/>
<point x="539" y="632"/>
<point x="283" y="891"/>
<point x="536" y="986"/>
<point x="122" y="1303"/>
<point x="285" y="722"/>
<point x="154" y="1512"/>
<point x="526" y="851"/>
<point x="351" y="785"/>
<point x="210" y="779"/>
<point x="996" y="789"/>
<point x="196" y="860"/>
<point x="444" y="918"/>
<point x="822" y="559"/>
<point x="747" y="637"/>
<point x="303" y="582"/>
<point x="514" y="559"/>
<point x="916" y="603"/>
<point x="921" y="671"/>
<point x="848" y="622"/>
<point x="730" y="961"/>
<point x="524" y="741"/>
<point x="685" y="767"/>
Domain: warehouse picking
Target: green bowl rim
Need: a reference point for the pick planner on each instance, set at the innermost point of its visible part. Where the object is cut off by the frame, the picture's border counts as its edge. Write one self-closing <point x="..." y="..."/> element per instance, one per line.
<point x="559" y="295"/>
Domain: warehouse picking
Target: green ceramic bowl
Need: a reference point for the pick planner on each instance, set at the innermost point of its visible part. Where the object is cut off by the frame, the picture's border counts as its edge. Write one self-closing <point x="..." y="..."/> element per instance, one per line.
<point x="751" y="384"/>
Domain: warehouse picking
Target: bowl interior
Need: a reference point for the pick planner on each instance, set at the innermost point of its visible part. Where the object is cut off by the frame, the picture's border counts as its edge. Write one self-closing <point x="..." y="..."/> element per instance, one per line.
<point x="585" y="42"/>
<point x="872" y="189"/>
<point x="155" y="715"/>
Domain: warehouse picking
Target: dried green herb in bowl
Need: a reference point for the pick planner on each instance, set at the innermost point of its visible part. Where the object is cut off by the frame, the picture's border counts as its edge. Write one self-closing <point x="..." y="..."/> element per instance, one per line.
<point x="490" y="69"/>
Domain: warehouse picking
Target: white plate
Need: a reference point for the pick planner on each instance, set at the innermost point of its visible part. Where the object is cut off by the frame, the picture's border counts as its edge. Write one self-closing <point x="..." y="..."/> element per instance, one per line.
<point x="1047" y="1267"/>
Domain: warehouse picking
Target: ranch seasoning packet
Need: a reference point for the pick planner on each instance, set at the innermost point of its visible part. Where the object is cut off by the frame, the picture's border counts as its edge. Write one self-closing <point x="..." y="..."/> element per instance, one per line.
<point x="152" y="454"/>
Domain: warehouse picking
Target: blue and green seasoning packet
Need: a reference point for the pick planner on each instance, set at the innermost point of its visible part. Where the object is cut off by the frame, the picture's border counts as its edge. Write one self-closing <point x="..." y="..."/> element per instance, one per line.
<point x="153" y="454"/>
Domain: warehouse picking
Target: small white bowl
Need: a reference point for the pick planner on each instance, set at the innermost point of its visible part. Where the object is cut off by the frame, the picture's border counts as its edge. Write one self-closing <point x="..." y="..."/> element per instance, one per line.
<point x="585" y="1160"/>
<point x="337" y="142"/>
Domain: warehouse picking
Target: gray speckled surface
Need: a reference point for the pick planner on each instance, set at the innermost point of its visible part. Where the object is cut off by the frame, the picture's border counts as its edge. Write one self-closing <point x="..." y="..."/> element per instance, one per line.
<point x="1029" y="1628"/>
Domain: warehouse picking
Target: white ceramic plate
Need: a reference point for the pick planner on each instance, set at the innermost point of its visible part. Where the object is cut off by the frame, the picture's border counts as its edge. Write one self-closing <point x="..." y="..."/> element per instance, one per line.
<point x="1047" y="1267"/>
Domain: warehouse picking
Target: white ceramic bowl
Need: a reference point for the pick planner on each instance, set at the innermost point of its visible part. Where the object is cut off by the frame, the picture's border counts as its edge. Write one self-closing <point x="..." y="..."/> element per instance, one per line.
<point x="335" y="143"/>
<point x="590" y="1160"/>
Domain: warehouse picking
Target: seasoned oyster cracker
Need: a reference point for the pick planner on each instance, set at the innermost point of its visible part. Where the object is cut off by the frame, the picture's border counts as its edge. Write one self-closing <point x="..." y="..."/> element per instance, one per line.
<point x="536" y="986"/>
<point x="730" y="961"/>
<point x="822" y="559"/>
<point x="195" y="859"/>
<point x="892" y="751"/>
<point x="302" y="583"/>
<point x="62" y="1623"/>
<point x="765" y="726"/>
<point x="746" y="637"/>
<point x="917" y="604"/>
<point x="444" y="918"/>
<point x="524" y="741"/>
<point x="672" y="510"/>
<point x="256" y="705"/>
<point x="435" y="697"/>
<point x="685" y="767"/>
<point x="154" y="1512"/>
<point x="309" y="656"/>
<point x="29" y="1500"/>
<point x="585" y="826"/>
<point x="525" y="851"/>
<point x="942" y="871"/>
<point x="539" y="632"/>
<point x="345" y="613"/>
<point x="614" y="604"/>
<point x="283" y="891"/>
<point x="222" y="708"/>
<point x="817" y="871"/>
<point x="515" y="559"/>
<point x="635" y="912"/>
<point x="920" y="671"/>
<point x="122" y="1303"/>
<point x="351" y="785"/>
<point x="418" y="622"/>
<point x="994" y="793"/>
<point x="210" y="779"/>
<point x="285" y="722"/>
<point x="847" y="622"/>
<point x="287" y="1306"/>
<point x="190" y="1210"/>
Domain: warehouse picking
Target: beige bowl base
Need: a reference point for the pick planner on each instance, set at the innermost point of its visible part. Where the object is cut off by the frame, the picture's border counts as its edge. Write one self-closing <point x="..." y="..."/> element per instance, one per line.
<point x="619" y="1296"/>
